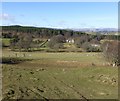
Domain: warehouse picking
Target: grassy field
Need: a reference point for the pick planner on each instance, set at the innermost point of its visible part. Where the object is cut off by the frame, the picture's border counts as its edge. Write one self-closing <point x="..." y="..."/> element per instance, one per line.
<point x="5" y="41"/>
<point x="59" y="76"/>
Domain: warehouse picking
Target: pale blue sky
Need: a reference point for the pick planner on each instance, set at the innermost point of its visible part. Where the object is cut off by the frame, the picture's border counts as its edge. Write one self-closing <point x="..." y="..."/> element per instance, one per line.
<point x="61" y="14"/>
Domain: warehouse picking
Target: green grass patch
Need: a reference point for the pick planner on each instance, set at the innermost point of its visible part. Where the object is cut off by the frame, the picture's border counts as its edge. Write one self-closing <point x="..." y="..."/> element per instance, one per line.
<point x="5" y="42"/>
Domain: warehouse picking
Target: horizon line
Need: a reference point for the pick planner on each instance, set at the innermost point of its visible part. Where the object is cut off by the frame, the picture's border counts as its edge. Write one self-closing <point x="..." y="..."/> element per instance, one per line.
<point x="62" y="27"/>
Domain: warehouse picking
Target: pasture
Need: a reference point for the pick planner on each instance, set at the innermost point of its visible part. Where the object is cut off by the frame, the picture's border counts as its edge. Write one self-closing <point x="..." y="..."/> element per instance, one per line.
<point x="59" y="76"/>
<point x="5" y="42"/>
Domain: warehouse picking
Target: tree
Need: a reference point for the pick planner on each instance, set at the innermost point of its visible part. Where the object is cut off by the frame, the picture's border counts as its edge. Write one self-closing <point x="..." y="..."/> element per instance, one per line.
<point x="94" y="41"/>
<point x="14" y="41"/>
<point x="58" y="46"/>
<point x="111" y="50"/>
<point x="22" y="41"/>
<point x="25" y="41"/>
<point x="56" y="41"/>
<point x="80" y="40"/>
<point x="86" y="46"/>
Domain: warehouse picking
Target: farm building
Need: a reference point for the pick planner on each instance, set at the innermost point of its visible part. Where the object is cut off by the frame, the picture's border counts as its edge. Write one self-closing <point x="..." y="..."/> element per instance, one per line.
<point x="70" y="40"/>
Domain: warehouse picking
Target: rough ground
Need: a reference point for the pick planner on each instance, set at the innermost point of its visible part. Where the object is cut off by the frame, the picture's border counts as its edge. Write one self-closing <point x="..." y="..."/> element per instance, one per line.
<point x="60" y="76"/>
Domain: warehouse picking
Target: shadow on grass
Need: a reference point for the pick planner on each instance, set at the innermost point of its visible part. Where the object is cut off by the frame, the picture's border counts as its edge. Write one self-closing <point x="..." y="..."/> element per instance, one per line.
<point x="13" y="60"/>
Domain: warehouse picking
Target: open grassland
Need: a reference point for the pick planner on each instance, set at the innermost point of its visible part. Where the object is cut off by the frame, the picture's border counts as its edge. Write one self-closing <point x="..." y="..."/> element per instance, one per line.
<point x="65" y="57"/>
<point x="59" y="76"/>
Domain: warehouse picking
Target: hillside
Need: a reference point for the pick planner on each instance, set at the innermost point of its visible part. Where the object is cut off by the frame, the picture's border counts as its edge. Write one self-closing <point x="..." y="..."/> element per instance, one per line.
<point x="38" y="32"/>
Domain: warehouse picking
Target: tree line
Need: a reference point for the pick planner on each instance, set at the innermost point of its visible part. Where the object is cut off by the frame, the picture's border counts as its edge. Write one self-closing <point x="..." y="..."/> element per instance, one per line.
<point x="10" y="31"/>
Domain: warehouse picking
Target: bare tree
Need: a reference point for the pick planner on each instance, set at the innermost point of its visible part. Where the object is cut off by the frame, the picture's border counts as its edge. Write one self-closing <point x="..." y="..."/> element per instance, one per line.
<point x="56" y="41"/>
<point x="111" y="51"/>
<point x="22" y="41"/>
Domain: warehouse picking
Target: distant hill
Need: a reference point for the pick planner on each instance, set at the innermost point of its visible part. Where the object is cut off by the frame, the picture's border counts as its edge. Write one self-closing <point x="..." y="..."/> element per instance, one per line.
<point x="97" y="29"/>
<point x="40" y="31"/>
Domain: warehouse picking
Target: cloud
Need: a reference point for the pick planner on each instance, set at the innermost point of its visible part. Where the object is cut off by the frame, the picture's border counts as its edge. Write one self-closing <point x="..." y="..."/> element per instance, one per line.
<point x="6" y="16"/>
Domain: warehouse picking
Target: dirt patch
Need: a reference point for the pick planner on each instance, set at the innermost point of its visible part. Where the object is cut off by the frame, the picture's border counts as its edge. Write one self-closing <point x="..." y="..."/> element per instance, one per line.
<point x="67" y="61"/>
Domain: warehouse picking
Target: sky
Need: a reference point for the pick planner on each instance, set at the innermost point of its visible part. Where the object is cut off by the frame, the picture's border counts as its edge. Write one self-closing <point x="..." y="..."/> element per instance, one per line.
<point x="61" y="14"/>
